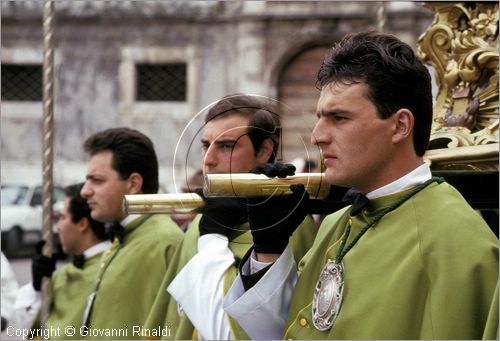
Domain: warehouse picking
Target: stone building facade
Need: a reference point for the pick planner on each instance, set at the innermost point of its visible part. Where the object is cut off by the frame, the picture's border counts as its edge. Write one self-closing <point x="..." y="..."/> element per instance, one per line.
<point x="269" y="48"/>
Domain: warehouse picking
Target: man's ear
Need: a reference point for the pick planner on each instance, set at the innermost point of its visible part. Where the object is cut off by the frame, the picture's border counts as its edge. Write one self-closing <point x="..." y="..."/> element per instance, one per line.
<point x="403" y="125"/>
<point x="265" y="151"/>
<point x="134" y="183"/>
<point x="83" y="224"/>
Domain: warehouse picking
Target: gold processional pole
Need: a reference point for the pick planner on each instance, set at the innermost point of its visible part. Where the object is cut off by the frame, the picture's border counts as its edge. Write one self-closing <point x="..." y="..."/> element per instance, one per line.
<point x="226" y="185"/>
<point x="47" y="144"/>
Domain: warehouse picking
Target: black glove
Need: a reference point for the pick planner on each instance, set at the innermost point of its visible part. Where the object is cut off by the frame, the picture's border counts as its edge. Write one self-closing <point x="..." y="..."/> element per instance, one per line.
<point x="4" y="323"/>
<point x="41" y="266"/>
<point x="332" y="203"/>
<point x="272" y="170"/>
<point x="273" y="220"/>
<point x="221" y="215"/>
<point x="335" y="201"/>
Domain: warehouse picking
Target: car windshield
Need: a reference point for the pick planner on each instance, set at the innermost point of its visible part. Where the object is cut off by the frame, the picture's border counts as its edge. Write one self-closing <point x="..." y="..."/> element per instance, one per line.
<point x="13" y="195"/>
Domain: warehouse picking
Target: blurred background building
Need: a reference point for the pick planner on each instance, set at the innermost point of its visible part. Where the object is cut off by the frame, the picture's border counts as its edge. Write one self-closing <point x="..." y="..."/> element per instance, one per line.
<point x="153" y="65"/>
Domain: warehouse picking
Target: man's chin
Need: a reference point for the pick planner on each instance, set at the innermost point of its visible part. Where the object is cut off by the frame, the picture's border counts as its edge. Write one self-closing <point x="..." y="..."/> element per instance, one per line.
<point x="333" y="178"/>
<point x="330" y="176"/>
<point x="96" y="216"/>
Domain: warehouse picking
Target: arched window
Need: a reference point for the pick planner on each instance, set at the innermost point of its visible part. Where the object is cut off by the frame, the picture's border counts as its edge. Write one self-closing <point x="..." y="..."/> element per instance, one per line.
<point x="299" y="95"/>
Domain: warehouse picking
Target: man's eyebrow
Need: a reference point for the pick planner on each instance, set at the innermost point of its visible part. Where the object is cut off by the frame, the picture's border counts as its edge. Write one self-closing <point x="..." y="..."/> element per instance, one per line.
<point x="218" y="142"/>
<point x="329" y="113"/>
<point x="224" y="141"/>
<point x="93" y="176"/>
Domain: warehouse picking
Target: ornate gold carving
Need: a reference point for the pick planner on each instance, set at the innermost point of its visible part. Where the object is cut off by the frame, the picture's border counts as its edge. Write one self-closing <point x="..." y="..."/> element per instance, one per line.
<point x="462" y="45"/>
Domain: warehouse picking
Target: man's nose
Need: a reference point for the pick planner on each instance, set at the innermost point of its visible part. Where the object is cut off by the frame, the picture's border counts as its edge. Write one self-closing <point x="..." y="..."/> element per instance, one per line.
<point x="319" y="134"/>
<point x="85" y="192"/>
<point x="209" y="158"/>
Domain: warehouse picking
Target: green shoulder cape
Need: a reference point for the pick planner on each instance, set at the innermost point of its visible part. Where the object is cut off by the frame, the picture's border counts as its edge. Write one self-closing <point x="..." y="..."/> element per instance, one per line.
<point x="427" y="270"/>
<point x="130" y="274"/>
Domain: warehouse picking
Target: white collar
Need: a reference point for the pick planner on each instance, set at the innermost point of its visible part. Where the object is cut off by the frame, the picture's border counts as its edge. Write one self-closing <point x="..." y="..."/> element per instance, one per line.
<point x="97" y="248"/>
<point x="417" y="176"/>
<point x="128" y="219"/>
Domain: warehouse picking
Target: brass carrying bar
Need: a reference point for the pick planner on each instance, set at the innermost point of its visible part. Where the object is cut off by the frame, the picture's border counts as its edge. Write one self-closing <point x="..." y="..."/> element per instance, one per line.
<point x="243" y="185"/>
<point x="247" y="185"/>
<point x="163" y="203"/>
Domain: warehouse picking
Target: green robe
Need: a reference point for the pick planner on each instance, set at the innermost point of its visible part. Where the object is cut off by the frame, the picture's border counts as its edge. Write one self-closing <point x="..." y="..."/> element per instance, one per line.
<point x="428" y="270"/>
<point x="165" y="309"/>
<point x="131" y="274"/>
<point x="70" y="288"/>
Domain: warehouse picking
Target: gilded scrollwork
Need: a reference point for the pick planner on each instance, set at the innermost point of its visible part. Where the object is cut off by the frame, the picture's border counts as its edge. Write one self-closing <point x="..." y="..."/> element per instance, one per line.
<point x="462" y="46"/>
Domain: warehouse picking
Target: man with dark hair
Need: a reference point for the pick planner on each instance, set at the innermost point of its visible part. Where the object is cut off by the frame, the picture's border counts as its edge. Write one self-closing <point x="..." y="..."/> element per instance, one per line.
<point x="76" y="210"/>
<point x="410" y="259"/>
<point x="260" y="116"/>
<point x="240" y="133"/>
<point x="84" y="239"/>
<point x="123" y="161"/>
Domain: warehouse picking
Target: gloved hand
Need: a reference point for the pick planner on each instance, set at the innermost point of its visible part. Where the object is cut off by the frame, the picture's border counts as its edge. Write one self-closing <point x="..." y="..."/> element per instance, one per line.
<point x="272" y="170"/>
<point x="334" y="202"/>
<point x="41" y="266"/>
<point x="221" y="215"/>
<point x="4" y="323"/>
<point x="273" y="220"/>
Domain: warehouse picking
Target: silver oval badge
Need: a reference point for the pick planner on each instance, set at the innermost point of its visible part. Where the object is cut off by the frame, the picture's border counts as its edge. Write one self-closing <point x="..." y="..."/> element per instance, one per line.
<point x="328" y="296"/>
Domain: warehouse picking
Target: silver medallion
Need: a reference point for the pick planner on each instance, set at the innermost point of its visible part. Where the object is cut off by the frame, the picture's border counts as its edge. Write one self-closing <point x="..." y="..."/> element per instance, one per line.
<point x="328" y="296"/>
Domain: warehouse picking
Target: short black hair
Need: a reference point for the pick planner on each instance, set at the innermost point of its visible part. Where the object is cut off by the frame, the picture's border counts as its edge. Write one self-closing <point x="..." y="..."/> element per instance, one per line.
<point x="132" y="152"/>
<point x="78" y="209"/>
<point x="395" y="77"/>
<point x="264" y="119"/>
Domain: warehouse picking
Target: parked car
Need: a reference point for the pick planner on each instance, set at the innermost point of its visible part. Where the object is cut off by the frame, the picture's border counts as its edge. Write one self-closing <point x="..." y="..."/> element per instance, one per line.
<point x="21" y="214"/>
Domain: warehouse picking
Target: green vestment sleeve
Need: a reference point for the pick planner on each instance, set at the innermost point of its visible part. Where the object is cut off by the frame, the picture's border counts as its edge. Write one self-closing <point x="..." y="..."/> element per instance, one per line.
<point x="165" y="311"/>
